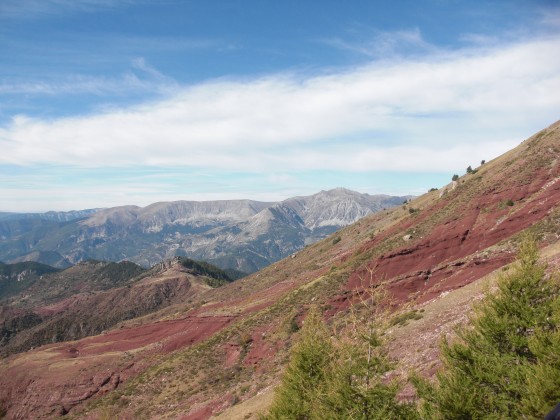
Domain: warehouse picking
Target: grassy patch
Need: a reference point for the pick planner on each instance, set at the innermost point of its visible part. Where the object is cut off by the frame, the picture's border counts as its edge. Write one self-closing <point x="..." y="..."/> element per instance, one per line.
<point x="402" y="319"/>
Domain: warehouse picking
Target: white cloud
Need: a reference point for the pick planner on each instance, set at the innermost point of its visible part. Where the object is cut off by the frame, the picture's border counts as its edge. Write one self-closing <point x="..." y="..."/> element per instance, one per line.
<point x="414" y="114"/>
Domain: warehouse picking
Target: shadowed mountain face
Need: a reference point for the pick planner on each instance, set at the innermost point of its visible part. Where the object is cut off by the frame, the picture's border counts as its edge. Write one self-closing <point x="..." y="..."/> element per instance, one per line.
<point x="15" y="278"/>
<point x="225" y="347"/>
<point x="243" y="235"/>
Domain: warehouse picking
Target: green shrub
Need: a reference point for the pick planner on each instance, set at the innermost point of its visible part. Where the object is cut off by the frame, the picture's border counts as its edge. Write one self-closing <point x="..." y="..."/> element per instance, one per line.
<point x="356" y="387"/>
<point x="293" y="326"/>
<point x="402" y="319"/>
<point x="505" y="204"/>
<point x="340" y="377"/>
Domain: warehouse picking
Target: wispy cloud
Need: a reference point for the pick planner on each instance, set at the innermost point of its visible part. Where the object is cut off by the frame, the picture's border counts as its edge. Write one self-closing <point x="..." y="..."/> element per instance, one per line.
<point x="480" y="39"/>
<point x="42" y="190"/>
<point x="140" y="64"/>
<point x="550" y="17"/>
<point x="385" y="44"/>
<point x="141" y="78"/>
<point x="32" y="9"/>
<point x="66" y="188"/>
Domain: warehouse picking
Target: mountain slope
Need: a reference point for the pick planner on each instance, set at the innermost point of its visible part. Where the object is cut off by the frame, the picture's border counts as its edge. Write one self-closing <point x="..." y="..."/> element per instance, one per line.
<point x="93" y="296"/>
<point x="239" y="234"/>
<point x="34" y="293"/>
<point x="228" y="344"/>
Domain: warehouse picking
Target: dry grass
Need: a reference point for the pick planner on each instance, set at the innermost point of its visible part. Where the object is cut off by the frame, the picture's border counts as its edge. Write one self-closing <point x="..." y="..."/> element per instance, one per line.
<point x="249" y="409"/>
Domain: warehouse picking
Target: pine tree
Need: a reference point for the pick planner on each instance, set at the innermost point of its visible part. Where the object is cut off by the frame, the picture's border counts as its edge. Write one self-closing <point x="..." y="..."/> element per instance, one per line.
<point x="501" y="365"/>
<point x="298" y="394"/>
<point x="543" y="383"/>
<point x="339" y="378"/>
<point x="356" y="387"/>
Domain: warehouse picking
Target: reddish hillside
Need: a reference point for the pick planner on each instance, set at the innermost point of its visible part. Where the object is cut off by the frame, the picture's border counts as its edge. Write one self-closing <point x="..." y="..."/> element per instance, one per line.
<point x="230" y="343"/>
<point x="453" y="240"/>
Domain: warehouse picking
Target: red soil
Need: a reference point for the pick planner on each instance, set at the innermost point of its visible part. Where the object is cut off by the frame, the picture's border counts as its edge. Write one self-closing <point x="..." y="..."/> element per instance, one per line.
<point x="63" y="375"/>
<point x="58" y="307"/>
<point x="450" y="255"/>
<point x="261" y="349"/>
<point x="207" y="410"/>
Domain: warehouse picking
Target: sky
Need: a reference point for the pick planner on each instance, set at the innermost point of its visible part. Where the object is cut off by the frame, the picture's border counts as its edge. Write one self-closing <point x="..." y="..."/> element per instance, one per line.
<point x="117" y="102"/>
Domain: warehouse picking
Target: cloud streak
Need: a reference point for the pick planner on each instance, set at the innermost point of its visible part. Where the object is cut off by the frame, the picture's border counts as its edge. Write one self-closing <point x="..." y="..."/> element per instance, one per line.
<point x="389" y="115"/>
<point x="30" y="9"/>
<point x="142" y="78"/>
<point x="384" y="44"/>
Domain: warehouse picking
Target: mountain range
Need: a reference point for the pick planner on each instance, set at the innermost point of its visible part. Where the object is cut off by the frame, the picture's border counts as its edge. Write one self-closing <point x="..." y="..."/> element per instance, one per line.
<point x="243" y="235"/>
<point x="217" y="349"/>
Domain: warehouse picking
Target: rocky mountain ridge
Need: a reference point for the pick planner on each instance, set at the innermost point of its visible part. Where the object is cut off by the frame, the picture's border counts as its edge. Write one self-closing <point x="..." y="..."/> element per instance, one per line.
<point x="55" y="216"/>
<point x="244" y="235"/>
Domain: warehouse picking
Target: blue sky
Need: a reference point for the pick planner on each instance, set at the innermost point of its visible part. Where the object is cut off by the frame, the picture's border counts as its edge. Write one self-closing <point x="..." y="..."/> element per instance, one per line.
<point x="113" y="102"/>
